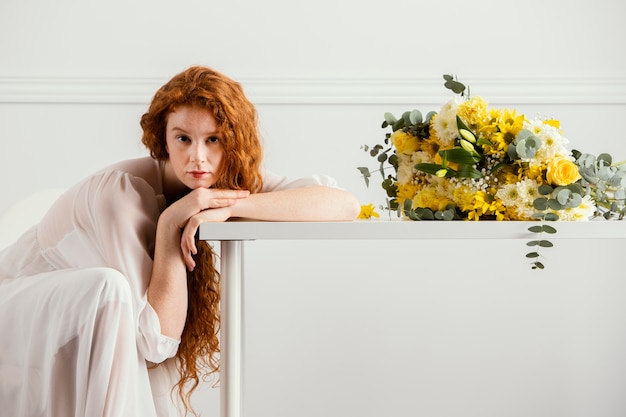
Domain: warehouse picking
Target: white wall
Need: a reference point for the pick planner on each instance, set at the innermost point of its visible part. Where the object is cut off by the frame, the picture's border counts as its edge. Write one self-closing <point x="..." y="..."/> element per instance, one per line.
<point x="75" y="76"/>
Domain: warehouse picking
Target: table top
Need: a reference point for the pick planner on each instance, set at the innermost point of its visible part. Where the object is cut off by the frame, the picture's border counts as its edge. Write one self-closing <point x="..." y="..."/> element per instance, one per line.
<point x="406" y="229"/>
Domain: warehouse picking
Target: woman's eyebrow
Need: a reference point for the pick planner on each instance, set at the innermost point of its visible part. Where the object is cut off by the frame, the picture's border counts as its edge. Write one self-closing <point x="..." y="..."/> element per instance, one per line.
<point x="182" y="130"/>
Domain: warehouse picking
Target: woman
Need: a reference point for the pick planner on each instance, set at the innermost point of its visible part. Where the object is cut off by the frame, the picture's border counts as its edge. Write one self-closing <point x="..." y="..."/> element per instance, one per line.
<point x="109" y="305"/>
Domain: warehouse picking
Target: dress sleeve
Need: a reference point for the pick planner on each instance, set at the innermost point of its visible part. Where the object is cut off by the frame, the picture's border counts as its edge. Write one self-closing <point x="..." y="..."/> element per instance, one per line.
<point x="119" y="216"/>
<point x="275" y="182"/>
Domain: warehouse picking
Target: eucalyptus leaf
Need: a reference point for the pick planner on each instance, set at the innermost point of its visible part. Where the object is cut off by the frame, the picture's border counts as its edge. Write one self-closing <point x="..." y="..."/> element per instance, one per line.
<point x="532" y="255"/>
<point x="548" y="229"/>
<point x="605" y="158"/>
<point x="366" y="175"/>
<point x="554" y="204"/>
<point x="415" y="117"/>
<point x="551" y="217"/>
<point x="545" y="189"/>
<point x="390" y="118"/>
<point x="540" y="203"/>
<point x="424" y="213"/>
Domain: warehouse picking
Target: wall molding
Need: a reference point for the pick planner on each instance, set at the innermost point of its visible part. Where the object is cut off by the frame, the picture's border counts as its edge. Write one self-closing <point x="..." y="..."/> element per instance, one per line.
<point x="87" y="90"/>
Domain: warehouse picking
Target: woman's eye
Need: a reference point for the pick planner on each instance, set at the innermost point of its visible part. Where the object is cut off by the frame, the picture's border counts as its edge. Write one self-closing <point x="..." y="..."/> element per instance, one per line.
<point x="182" y="138"/>
<point x="213" y="139"/>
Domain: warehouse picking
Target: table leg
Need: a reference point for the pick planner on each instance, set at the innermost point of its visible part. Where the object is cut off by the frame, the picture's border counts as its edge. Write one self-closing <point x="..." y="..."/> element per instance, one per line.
<point x="231" y="355"/>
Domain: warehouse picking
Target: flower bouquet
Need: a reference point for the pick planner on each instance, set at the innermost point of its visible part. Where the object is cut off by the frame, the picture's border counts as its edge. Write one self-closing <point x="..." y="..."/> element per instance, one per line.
<point x="473" y="162"/>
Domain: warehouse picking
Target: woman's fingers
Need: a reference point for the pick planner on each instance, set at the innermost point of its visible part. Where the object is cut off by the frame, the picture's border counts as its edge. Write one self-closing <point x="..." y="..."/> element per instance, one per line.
<point x="188" y="245"/>
<point x="188" y="237"/>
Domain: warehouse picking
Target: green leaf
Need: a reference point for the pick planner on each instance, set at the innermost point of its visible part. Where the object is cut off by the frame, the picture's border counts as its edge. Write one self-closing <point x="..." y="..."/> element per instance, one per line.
<point x="389" y="186"/>
<point x="606" y="158"/>
<point x="460" y="156"/>
<point x="366" y="175"/>
<point x="390" y="118"/>
<point x="467" y="171"/>
<point x="455" y="86"/>
<point x="532" y="255"/>
<point x="551" y="217"/>
<point x="545" y="189"/>
<point x="433" y="169"/>
<point x="548" y="229"/>
<point x="554" y="204"/>
<point x="545" y="244"/>
<point x="540" y="203"/>
<point x="429" y="116"/>
<point x="424" y="213"/>
<point x="538" y="265"/>
<point x="415" y="117"/>
<point x="535" y="229"/>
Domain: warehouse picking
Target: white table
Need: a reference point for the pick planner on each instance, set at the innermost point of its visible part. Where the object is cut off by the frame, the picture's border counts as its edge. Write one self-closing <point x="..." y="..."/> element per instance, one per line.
<point x="233" y="234"/>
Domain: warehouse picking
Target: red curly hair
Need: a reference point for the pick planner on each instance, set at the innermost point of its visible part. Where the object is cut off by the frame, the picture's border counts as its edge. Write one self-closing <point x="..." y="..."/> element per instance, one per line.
<point x="237" y="119"/>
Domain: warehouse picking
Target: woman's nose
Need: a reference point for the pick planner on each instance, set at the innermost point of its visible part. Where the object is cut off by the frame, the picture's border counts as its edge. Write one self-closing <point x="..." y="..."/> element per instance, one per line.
<point x="198" y="153"/>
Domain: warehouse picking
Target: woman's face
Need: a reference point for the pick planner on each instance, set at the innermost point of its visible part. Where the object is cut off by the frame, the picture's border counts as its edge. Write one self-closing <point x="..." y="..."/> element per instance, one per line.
<point x="194" y="144"/>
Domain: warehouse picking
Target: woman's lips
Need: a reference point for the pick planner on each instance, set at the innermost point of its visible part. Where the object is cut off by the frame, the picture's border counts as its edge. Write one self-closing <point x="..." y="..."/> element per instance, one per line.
<point x="199" y="174"/>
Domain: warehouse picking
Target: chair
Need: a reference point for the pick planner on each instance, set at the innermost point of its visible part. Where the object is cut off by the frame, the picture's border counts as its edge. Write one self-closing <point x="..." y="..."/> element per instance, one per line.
<point x="24" y="213"/>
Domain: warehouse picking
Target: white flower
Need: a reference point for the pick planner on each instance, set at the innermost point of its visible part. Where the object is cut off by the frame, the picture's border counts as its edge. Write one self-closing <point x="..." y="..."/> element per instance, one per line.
<point x="520" y="195"/>
<point x="583" y="212"/>
<point x="445" y="123"/>
<point x="552" y="142"/>
<point x="405" y="172"/>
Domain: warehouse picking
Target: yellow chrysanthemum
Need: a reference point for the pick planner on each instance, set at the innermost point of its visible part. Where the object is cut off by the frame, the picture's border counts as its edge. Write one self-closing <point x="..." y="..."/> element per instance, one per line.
<point x="533" y="172"/>
<point x="507" y="174"/>
<point x="486" y="205"/>
<point x="368" y="211"/>
<point x="432" y="198"/>
<point x="463" y="197"/>
<point x="406" y="191"/>
<point x="504" y="125"/>
<point x="474" y="113"/>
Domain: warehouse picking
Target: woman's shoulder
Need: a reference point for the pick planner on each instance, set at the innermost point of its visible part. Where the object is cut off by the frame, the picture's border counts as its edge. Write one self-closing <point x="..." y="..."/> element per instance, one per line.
<point x="145" y="168"/>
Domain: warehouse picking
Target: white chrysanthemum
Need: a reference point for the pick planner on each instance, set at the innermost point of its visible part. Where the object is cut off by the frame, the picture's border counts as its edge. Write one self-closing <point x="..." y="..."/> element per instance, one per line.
<point x="552" y="142"/>
<point x="405" y="172"/>
<point x="445" y="122"/>
<point x="519" y="195"/>
<point x="581" y="213"/>
<point x="421" y="157"/>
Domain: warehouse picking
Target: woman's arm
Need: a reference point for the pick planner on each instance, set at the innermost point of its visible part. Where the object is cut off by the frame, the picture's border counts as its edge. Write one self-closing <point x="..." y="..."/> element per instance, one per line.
<point x="167" y="292"/>
<point x="312" y="203"/>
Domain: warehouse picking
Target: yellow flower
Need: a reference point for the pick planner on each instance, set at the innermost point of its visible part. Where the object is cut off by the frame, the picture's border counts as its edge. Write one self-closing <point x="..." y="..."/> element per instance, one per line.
<point x="404" y="142"/>
<point x="432" y="198"/>
<point x="368" y="211"/>
<point x="405" y="191"/>
<point x="473" y="112"/>
<point x="562" y="171"/>
<point x="486" y="204"/>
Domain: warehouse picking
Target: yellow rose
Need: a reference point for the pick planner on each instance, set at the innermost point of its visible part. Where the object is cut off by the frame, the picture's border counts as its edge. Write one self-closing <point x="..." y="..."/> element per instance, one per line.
<point x="562" y="171"/>
<point x="404" y="142"/>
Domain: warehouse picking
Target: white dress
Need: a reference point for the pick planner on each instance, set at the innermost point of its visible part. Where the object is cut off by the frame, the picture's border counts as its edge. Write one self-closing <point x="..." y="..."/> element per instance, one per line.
<point x="77" y="335"/>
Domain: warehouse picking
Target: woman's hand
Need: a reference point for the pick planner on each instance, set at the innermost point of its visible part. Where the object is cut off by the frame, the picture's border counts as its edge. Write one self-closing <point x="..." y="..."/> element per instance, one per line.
<point x="199" y="206"/>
